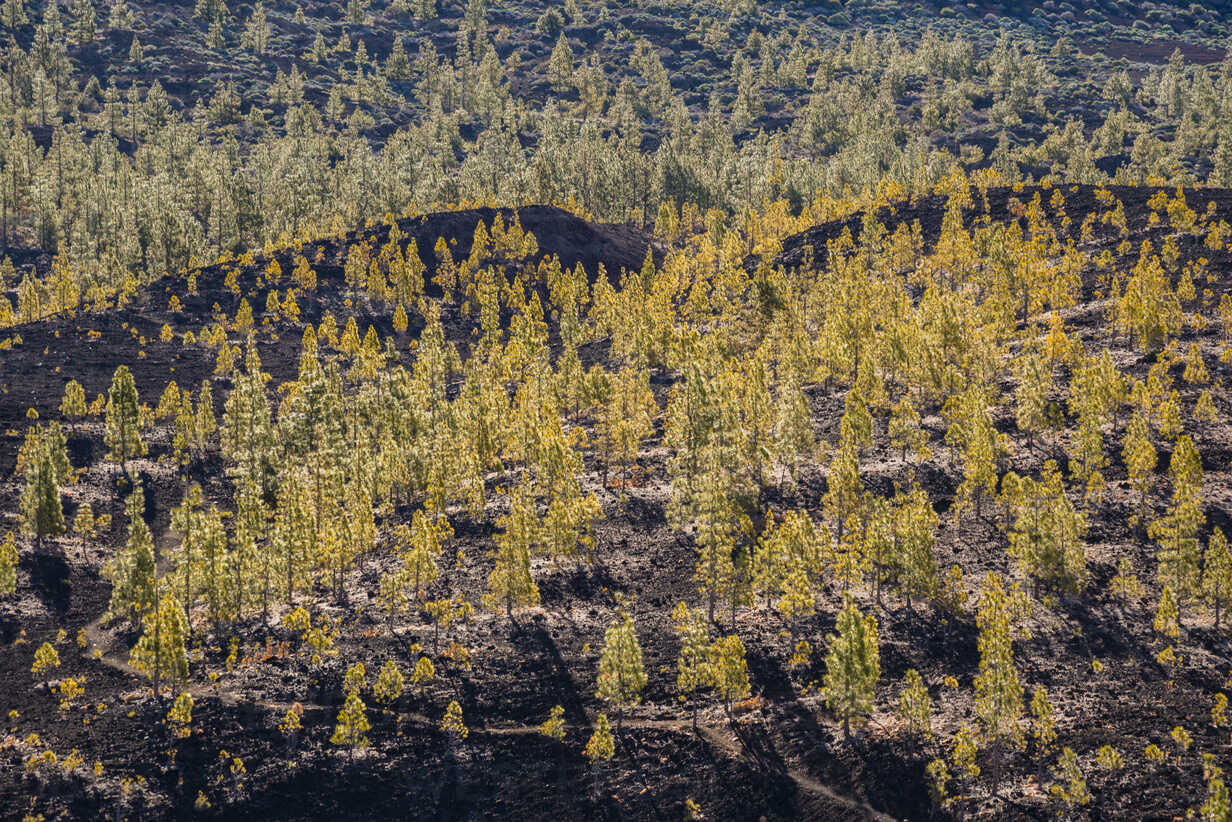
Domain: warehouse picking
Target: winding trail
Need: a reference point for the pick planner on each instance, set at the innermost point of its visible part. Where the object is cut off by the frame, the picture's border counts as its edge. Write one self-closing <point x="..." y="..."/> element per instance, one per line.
<point x="717" y="736"/>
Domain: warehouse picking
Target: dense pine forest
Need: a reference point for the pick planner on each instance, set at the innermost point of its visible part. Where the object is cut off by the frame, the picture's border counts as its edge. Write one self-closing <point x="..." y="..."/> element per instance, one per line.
<point x="667" y="410"/>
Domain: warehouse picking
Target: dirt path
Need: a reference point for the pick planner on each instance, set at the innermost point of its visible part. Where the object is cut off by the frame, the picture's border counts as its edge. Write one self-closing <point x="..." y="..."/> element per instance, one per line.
<point x="717" y="737"/>
<point x="104" y="641"/>
<point x="107" y="643"/>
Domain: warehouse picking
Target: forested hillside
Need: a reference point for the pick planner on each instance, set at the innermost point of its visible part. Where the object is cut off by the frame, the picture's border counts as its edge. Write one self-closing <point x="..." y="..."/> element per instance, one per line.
<point x="662" y="410"/>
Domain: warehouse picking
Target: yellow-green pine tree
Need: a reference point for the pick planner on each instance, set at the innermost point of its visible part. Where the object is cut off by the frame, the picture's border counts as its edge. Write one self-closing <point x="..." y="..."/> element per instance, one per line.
<point x="1216" y="574"/>
<point x="160" y="653"/>
<point x="352" y="726"/>
<point x="998" y="692"/>
<point x="122" y="433"/>
<point x="621" y="675"/>
<point x="853" y="666"/>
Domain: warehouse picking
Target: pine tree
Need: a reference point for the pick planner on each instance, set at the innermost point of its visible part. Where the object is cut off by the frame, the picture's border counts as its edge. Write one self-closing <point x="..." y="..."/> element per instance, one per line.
<point x="83" y="21"/>
<point x="160" y="652"/>
<point x="627" y="419"/>
<point x="963" y="752"/>
<point x="389" y="683"/>
<point x="1139" y="455"/>
<point x="1217" y="574"/>
<point x="452" y="723"/>
<point x="853" y="666"/>
<point x="256" y="31"/>
<point x="51" y="22"/>
<point x="356" y="10"/>
<point x="43" y="463"/>
<point x="1070" y="786"/>
<point x="787" y="563"/>
<point x="84" y="521"/>
<point x="731" y="671"/>
<point x="294" y="533"/>
<point x="915" y="535"/>
<point x="186" y="520"/>
<point x="1218" y="804"/>
<point x="554" y="727"/>
<point x="1195" y="367"/>
<point x="1031" y="395"/>
<point x="1047" y="532"/>
<point x="8" y="565"/>
<point x="179" y="717"/>
<point x="397" y="65"/>
<point x="998" y="692"/>
<point x="14" y="14"/>
<point x="1125" y="583"/>
<point x="915" y="706"/>
<point x="352" y="726"/>
<point x="246" y="437"/>
<point x="443" y="613"/>
<point x="938" y="774"/>
<point x="843" y="500"/>
<point x="716" y="523"/>
<point x="511" y="581"/>
<point x="1168" y="416"/>
<point x="421" y="545"/>
<point x="877" y="542"/>
<point x="215" y="566"/>
<point x="132" y="572"/>
<point x="793" y="429"/>
<point x="73" y="405"/>
<point x="392" y="595"/>
<point x="560" y="64"/>
<point x="204" y="423"/>
<point x="1149" y="308"/>
<point x="972" y="431"/>
<point x="45" y="659"/>
<point x="123" y="435"/>
<point x="424" y="673"/>
<point x="601" y="746"/>
<point x="250" y="565"/>
<point x="1204" y="408"/>
<point x="1177" y="531"/>
<point x="550" y="23"/>
<point x="1168" y="615"/>
<point x="621" y="676"/>
<point x="694" y="665"/>
<point x="1043" y="726"/>
<point x="184" y="425"/>
<point x="355" y="680"/>
<point x="905" y="430"/>
<point x="569" y="522"/>
<point x="55" y="444"/>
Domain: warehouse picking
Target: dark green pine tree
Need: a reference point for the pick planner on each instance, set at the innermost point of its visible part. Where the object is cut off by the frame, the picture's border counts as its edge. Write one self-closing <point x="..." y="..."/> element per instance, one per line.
<point x="132" y="570"/>
<point x="853" y="666"/>
<point x="313" y="426"/>
<point x="41" y="512"/>
<point x="246" y="436"/>
<point x="123" y="433"/>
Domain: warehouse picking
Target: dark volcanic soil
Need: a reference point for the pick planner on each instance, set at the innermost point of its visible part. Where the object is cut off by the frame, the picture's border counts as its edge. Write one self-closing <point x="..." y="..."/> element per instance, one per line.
<point x="781" y="756"/>
<point x="88" y="347"/>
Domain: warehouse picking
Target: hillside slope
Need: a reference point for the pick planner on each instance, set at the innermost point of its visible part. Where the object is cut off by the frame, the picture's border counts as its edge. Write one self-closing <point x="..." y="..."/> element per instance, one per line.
<point x="782" y="752"/>
<point x="88" y="347"/>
